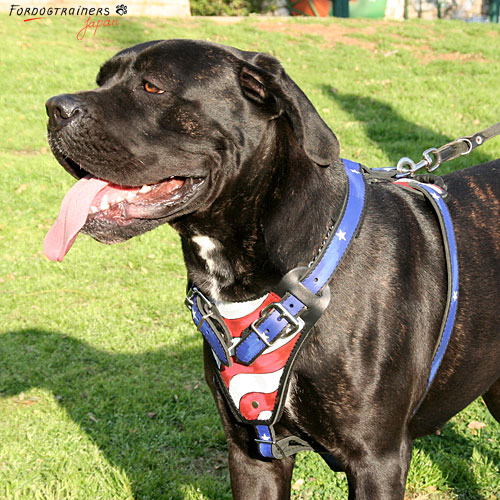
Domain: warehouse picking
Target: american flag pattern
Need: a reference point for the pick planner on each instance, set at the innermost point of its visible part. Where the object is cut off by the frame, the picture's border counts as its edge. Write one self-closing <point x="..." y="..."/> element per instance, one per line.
<point x="254" y="389"/>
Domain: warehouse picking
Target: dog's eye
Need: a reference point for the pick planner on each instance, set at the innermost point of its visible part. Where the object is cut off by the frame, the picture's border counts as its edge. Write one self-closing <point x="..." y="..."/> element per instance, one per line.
<point x="152" y="89"/>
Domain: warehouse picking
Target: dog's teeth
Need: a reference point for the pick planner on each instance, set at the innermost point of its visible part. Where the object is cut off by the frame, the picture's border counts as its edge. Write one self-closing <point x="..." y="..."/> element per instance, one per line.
<point x="93" y="209"/>
<point x="130" y="196"/>
<point x="119" y="199"/>
<point x="145" y="189"/>
<point x="104" y="202"/>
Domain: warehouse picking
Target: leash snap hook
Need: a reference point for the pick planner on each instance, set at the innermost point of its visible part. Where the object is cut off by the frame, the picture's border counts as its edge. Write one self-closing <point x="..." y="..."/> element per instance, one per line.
<point x="406" y="162"/>
<point x="427" y="157"/>
<point x="426" y="162"/>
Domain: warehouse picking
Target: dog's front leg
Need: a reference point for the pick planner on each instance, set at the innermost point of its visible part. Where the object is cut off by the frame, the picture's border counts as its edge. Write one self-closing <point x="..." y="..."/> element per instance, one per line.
<point x="256" y="479"/>
<point x="252" y="477"/>
<point x="380" y="475"/>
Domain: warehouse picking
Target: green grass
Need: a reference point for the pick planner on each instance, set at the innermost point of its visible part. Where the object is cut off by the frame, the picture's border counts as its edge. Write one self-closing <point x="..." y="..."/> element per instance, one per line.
<point x="101" y="380"/>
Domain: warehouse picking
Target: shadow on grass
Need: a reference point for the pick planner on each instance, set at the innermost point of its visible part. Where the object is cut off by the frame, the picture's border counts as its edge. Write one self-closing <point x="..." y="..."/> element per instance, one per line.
<point x="151" y="414"/>
<point x="398" y="137"/>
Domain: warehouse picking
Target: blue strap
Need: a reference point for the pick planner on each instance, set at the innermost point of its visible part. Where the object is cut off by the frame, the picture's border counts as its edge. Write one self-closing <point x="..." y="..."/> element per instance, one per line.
<point x="453" y="282"/>
<point x="265" y="440"/>
<point x="321" y="274"/>
<point x="204" y="325"/>
<point x="270" y="447"/>
<point x="270" y="327"/>
<point x="267" y="331"/>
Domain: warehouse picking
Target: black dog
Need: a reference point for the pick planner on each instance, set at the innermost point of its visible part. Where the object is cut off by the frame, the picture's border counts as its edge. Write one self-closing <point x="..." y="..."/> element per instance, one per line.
<point x="234" y="156"/>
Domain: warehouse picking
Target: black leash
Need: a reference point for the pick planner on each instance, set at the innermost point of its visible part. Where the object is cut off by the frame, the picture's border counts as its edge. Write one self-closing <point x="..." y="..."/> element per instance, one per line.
<point x="450" y="151"/>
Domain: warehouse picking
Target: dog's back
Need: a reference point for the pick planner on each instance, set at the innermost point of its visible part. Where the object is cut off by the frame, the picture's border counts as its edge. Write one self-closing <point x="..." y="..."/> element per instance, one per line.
<point x="474" y="203"/>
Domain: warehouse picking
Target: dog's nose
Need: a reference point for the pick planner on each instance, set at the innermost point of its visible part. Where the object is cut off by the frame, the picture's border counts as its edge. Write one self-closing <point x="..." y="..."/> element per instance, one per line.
<point x="62" y="110"/>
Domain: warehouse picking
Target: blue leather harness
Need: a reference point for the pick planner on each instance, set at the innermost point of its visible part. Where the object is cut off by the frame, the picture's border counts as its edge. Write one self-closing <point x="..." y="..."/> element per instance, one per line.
<point x="304" y="295"/>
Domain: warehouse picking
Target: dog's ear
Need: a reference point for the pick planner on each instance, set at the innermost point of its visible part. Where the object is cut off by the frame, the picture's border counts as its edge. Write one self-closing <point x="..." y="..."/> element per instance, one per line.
<point x="264" y="81"/>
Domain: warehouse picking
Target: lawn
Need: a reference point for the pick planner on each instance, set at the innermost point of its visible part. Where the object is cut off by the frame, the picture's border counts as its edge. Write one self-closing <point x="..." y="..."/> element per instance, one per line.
<point x="102" y="394"/>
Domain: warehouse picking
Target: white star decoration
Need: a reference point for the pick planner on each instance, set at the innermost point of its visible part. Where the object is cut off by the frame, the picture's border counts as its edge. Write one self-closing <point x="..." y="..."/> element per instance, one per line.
<point x="265" y="437"/>
<point x="455" y="296"/>
<point x="354" y="171"/>
<point x="435" y="196"/>
<point x="341" y="234"/>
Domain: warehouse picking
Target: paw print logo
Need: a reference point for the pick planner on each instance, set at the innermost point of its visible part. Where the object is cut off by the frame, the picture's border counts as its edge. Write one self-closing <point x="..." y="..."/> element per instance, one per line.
<point x="121" y="9"/>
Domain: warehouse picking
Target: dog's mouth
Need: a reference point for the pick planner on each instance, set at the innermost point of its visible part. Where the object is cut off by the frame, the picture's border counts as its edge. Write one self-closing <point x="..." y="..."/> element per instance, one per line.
<point x="112" y="213"/>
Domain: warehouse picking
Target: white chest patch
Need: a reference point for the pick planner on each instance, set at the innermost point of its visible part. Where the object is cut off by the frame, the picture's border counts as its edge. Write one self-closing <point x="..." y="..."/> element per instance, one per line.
<point x="208" y="249"/>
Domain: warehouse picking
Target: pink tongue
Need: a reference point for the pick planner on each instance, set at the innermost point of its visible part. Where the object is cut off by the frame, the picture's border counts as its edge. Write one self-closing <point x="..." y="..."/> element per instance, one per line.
<point x="72" y="216"/>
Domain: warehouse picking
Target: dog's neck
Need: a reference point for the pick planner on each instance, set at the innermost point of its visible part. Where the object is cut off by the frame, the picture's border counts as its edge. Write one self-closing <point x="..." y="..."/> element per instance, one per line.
<point x="272" y="217"/>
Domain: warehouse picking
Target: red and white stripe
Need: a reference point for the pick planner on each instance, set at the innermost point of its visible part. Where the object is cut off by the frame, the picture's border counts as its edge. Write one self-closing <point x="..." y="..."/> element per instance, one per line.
<point x="253" y="389"/>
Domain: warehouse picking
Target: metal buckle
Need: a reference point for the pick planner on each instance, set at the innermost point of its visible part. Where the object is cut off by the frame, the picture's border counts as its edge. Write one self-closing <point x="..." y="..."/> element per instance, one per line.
<point x="188" y="301"/>
<point x="296" y="324"/>
<point x="207" y="305"/>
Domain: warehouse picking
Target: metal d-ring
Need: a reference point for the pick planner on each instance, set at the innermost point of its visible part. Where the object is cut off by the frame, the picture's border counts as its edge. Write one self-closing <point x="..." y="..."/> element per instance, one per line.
<point x="468" y="142"/>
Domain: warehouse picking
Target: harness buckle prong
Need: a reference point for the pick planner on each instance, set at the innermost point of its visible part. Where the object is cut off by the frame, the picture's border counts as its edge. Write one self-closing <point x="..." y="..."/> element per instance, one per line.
<point x="263" y="441"/>
<point x="204" y="318"/>
<point x="294" y="324"/>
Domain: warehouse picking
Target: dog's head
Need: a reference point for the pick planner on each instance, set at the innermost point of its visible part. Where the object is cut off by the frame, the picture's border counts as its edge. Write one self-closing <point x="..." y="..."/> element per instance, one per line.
<point x="169" y="123"/>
